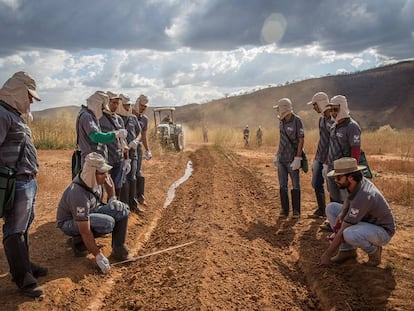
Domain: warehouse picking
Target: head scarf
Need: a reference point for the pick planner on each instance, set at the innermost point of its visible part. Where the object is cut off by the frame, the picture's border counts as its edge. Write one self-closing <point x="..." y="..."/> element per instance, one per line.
<point x="15" y="91"/>
<point x="340" y="100"/>
<point x="97" y="102"/>
<point x="141" y="100"/>
<point x="125" y="101"/>
<point x="93" y="162"/>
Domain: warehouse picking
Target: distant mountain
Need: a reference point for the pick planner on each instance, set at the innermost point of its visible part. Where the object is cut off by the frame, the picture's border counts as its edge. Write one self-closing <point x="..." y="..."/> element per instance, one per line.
<point x="376" y="97"/>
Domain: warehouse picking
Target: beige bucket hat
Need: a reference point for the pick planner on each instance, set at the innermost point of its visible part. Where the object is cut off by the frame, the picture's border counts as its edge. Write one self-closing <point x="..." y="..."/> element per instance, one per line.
<point x="344" y="166"/>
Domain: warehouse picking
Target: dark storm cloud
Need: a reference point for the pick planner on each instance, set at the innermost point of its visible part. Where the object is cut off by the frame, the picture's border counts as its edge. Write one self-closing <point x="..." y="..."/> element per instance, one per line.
<point x="344" y="26"/>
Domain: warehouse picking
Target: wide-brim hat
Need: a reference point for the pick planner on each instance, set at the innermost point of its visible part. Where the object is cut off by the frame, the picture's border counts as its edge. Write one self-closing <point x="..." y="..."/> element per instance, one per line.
<point x="344" y="166"/>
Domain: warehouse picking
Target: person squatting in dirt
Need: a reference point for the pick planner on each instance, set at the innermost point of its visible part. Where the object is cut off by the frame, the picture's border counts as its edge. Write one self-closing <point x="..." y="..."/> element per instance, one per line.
<point x="82" y="215"/>
<point x="246" y="133"/>
<point x="138" y="109"/>
<point x="364" y="220"/>
<point x="320" y="103"/>
<point x="112" y="122"/>
<point x="18" y="153"/>
<point x="91" y="138"/>
<point x="128" y="191"/>
<point x="344" y="141"/>
<point x="289" y="155"/>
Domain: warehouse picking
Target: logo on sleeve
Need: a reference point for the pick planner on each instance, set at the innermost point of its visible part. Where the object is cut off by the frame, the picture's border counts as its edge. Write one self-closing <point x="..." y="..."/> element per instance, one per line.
<point x="353" y="212"/>
<point x="357" y="138"/>
<point x="80" y="211"/>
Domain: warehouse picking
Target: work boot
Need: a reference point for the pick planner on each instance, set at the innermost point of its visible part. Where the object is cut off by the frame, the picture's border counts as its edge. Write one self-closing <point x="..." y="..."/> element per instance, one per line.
<point x="375" y="258"/>
<point x="136" y="208"/>
<point x="37" y="270"/>
<point x="320" y="211"/>
<point x="78" y="247"/>
<point x="326" y="227"/>
<point x="295" y="193"/>
<point x="120" y="253"/>
<point x="132" y="192"/>
<point x="30" y="288"/>
<point x="343" y="256"/>
<point x="20" y="266"/>
<point x="140" y="191"/>
<point x="284" y="200"/>
<point x="119" y="250"/>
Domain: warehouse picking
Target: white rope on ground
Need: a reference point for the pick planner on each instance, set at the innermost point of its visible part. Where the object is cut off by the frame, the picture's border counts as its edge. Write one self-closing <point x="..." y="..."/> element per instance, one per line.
<point x="152" y="254"/>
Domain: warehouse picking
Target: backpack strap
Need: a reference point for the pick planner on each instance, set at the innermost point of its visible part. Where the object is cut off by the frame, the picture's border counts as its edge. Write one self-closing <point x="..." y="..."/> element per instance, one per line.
<point x="81" y="184"/>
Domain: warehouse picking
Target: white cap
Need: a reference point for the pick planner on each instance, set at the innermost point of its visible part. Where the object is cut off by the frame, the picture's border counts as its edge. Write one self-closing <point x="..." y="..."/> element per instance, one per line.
<point x="284" y="107"/>
<point x="322" y="100"/>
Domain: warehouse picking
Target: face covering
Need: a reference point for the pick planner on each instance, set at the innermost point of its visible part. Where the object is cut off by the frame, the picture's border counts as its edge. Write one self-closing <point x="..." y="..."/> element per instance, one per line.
<point x="343" y="107"/>
<point x="97" y="102"/>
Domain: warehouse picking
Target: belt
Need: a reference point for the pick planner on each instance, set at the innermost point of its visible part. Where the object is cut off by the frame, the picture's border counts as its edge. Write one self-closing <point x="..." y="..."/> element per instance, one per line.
<point x="25" y="177"/>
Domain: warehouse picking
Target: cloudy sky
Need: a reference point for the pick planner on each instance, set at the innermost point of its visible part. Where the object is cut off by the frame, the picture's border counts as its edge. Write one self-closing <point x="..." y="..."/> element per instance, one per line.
<point x="191" y="51"/>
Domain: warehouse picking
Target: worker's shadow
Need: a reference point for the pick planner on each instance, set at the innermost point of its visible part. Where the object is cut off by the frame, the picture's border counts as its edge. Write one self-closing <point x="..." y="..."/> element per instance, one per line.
<point x="279" y="235"/>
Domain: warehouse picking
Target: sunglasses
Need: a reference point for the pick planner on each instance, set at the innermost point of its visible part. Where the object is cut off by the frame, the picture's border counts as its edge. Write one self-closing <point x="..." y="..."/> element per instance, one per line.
<point x="335" y="109"/>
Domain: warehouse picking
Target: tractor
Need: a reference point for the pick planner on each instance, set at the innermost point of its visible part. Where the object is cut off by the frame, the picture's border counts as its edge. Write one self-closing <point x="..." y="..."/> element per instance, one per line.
<point x="169" y="134"/>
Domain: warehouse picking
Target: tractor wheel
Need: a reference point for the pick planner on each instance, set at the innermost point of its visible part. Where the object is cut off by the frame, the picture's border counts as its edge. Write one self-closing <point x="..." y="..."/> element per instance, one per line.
<point x="179" y="142"/>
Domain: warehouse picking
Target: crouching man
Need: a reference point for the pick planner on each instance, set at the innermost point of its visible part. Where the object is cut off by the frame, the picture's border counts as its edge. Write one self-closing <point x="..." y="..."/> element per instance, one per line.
<point x="83" y="216"/>
<point x="364" y="220"/>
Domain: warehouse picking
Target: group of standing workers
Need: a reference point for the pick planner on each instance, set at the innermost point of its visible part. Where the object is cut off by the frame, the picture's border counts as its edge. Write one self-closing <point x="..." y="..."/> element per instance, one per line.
<point x="259" y="136"/>
<point x="111" y="137"/>
<point x="358" y="213"/>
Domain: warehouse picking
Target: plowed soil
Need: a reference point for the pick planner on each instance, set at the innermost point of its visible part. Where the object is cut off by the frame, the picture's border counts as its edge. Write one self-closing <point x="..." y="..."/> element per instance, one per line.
<point x="219" y="245"/>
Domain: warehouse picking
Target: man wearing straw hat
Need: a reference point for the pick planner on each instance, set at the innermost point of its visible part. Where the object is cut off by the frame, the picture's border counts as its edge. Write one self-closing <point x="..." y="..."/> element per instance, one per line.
<point x="363" y="221"/>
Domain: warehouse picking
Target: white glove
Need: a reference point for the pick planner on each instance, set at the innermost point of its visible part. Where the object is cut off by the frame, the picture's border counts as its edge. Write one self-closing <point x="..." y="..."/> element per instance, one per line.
<point x="127" y="166"/>
<point x="122" y="133"/>
<point x="103" y="263"/>
<point x="117" y="205"/>
<point x="148" y="155"/>
<point x="295" y="165"/>
<point x="133" y="144"/>
<point x="276" y="160"/>
<point x="325" y="170"/>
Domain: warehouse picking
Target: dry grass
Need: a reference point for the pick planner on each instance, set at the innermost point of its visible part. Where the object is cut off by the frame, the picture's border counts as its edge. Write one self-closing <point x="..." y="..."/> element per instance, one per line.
<point x="54" y="134"/>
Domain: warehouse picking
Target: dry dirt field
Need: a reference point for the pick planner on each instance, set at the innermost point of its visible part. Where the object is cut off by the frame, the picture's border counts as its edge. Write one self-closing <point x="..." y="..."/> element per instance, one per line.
<point x="241" y="256"/>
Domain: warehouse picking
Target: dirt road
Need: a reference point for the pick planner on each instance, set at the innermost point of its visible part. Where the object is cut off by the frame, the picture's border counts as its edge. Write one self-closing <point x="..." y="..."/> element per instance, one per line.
<point x="241" y="256"/>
